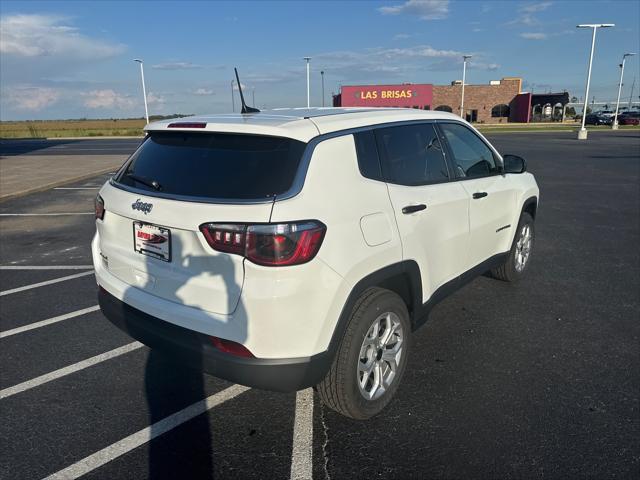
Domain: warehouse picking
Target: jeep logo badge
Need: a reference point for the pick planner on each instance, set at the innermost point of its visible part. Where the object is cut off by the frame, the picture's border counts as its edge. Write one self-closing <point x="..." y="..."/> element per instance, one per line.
<point x="142" y="206"/>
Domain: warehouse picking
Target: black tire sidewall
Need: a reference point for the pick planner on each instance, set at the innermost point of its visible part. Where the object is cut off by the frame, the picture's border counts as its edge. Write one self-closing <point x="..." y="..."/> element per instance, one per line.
<point x="525" y="219"/>
<point x="386" y="302"/>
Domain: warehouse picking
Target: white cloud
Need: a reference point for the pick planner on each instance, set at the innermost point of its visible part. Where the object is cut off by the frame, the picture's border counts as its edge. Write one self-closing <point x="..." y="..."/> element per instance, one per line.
<point x="203" y="91"/>
<point x="535" y="7"/>
<point x="484" y="66"/>
<point x="108" y="99"/>
<point x="50" y="36"/>
<point x="156" y="100"/>
<point x="424" y="9"/>
<point x="544" y="36"/>
<point x="526" y="13"/>
<point x="176" y="66"/>
<point x="31" y="98"/>
<point x="401" y="63"/>
<point x="534" y="35"/>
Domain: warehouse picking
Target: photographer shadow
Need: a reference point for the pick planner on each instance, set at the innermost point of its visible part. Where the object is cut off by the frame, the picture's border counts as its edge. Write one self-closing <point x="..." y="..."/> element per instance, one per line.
<point x="172" y="384"/>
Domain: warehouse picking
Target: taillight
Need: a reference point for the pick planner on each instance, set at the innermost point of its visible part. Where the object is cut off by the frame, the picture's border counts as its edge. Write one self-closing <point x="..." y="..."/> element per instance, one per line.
<point x="99" y="207"/>
<point x="273" y="245"/>
<point x="232" y="348"/>
<point x="225" y="238"/>
<point x="187" y="125"/>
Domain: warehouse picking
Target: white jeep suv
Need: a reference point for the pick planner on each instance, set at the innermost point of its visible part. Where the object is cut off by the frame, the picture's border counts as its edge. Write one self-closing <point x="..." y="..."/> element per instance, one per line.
<point x="302" y="247"/>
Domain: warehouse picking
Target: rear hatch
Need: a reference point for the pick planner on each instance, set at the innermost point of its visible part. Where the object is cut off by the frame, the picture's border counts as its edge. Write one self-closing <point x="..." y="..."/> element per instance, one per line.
<point x="176" y="181"/>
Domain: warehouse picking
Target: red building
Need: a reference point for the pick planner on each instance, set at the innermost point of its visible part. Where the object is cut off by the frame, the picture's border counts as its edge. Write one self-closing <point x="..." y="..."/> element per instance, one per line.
<point x="496" y="102"/>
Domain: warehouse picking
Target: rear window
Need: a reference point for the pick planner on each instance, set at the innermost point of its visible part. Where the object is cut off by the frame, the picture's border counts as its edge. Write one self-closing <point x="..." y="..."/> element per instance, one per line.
<point x="214" y="165"/>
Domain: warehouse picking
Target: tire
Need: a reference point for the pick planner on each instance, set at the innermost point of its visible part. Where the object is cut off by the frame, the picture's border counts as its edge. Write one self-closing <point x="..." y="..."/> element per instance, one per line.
<point x="341" y="390"/>
<point x="513" y="269"/>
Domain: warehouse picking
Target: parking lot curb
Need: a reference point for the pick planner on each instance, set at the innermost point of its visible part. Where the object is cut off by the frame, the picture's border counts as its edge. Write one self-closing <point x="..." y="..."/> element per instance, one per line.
<point x="40" y="188"/>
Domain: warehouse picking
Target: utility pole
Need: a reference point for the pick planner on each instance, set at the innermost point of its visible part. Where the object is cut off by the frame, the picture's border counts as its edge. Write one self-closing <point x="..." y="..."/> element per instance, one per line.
<point x="253" y="95"/>
<point x="582" y="133"/>
<point x="614" y="125"/>
<point x="464" y="75"/>
<point x="144" y="89"/>
<point x="233" y="102"/>
<point x="322" y="76"/>
<point x="308" y="83"/>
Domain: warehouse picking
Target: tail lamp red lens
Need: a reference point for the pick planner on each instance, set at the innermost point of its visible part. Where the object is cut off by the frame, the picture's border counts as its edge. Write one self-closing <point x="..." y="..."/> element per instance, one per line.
<point x="273" y="245"/>
<point x="232" y="348"/>
<point x="99" y="207"/>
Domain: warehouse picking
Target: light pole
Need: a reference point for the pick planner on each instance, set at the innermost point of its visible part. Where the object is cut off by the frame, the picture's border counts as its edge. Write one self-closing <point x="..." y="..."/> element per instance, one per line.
<point x="614" y="125"/>
<point x="464" y="76"/>
<point x="233" y="102"/>
<point x="582" y="133"/>
<point x="308" y="84"/>
<point x="144" y="89"/>
<point x="253" y="95"/>
<point x="322" y="77"/>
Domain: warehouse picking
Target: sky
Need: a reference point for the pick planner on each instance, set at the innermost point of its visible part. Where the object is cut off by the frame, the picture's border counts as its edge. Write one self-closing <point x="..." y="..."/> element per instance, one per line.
<point x="74" y="59"/>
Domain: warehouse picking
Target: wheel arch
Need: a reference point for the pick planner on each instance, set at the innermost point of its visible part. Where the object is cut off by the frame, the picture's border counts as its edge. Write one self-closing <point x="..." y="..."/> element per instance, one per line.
<point x="402" y="278"/>
<point x="530" y="206"/>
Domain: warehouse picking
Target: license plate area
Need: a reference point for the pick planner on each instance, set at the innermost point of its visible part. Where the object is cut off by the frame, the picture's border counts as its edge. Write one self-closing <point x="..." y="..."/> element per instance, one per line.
<point x="152" y="240"/>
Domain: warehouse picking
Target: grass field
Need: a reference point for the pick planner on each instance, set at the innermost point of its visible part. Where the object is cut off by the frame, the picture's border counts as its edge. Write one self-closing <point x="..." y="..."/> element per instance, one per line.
<point x="133" y="127"/>
<point x="71" y="128"/>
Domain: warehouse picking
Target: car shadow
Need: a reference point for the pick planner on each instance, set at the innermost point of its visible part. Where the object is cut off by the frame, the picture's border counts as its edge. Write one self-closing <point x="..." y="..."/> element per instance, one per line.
<point x="171" y="385"/>
<point x="21" y="146"/>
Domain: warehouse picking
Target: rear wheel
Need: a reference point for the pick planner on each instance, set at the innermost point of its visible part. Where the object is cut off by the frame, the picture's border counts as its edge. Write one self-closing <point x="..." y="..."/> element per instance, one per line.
<point x="518" y="260"/>
<point x="371" y="358"/>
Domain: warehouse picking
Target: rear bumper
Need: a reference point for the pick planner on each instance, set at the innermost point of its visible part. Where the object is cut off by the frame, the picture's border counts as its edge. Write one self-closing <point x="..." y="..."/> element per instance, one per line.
<point x="194" y="349"/>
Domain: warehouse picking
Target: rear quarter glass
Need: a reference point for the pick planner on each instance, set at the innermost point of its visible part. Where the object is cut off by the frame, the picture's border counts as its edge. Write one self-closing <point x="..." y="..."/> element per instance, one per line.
<point x="213" y="165"/>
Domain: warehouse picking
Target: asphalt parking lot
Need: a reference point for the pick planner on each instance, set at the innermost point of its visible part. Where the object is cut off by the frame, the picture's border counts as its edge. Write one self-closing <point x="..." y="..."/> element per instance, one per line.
<point x="534" y="380"/>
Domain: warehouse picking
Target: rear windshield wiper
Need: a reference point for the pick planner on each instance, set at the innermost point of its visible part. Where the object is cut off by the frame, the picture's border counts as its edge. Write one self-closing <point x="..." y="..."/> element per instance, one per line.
<point x="145" y="181"/>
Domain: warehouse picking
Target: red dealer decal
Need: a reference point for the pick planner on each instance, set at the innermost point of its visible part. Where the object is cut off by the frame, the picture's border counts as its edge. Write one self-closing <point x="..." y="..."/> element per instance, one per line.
<point x="151" y="237"/>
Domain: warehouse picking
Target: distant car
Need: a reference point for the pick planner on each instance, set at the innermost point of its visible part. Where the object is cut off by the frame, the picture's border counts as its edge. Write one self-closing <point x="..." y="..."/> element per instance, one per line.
<point x="597" y="119"/>
<point x="606" y="113"/>
<point x="629" y="118"/>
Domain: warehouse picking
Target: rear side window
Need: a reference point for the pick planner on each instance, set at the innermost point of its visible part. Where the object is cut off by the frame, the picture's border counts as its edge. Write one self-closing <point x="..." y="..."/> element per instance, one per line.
<point x="411" y="155"/>
<point x="472" y="157"/>
<point x="214" y="165"/>
<point x="367" y="152"/>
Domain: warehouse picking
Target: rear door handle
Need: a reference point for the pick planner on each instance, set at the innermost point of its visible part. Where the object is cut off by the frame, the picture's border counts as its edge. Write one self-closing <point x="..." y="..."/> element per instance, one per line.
<point x="480" y="195"/>
<point x="413" y="208"/>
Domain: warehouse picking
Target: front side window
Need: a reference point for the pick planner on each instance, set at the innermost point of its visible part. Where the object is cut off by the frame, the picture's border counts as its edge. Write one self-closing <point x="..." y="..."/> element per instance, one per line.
<point x="214" y="165"/>
<point x="411" y="155"/>
<point x="471" y="156"/>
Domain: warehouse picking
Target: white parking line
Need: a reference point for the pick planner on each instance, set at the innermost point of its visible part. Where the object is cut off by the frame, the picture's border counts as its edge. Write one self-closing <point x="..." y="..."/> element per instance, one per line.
<point x="47" y="377"/>
<point x="44" y="214"/>
<point x="42" y="284"/>
<point x="302" y="451"/>
<point x="49" y="321"/>
<point x="145" y="435"/>
<point x="45" y="267"/>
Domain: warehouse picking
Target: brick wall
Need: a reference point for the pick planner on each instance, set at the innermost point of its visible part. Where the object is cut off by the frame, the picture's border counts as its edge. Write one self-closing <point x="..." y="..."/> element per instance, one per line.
<point x="478" y="97"/>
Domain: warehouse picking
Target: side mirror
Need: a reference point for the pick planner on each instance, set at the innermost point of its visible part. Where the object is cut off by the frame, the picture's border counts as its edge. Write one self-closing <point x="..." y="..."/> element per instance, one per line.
<point x="514" y="164"/>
